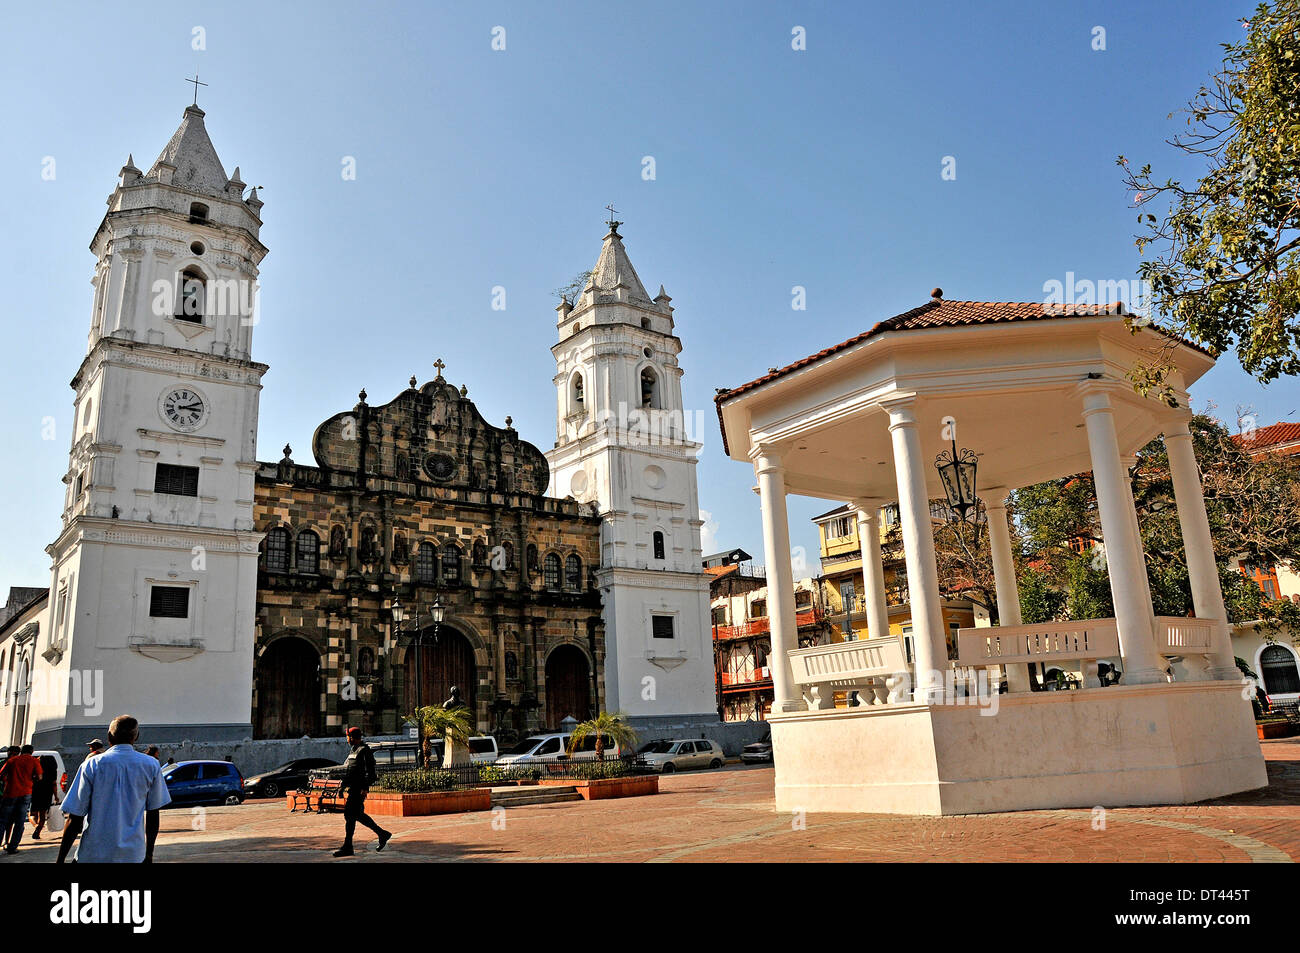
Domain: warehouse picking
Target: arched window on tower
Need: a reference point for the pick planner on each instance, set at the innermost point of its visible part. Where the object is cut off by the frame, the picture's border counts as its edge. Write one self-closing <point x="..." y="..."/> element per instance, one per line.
<point x="190" y="302"/>
<point x="659" y="545"/>
<point x="551" y="571"/>
<point x="649" y="388"/>
<point x="198" y="213"/>
<point x="573" y="572"/>
<point x="276" y="553"/>
<point x="426" y="563"/>
<point x="308" y="552"/>
<point x="451" y="564"/>
<point x="577" y="395"/>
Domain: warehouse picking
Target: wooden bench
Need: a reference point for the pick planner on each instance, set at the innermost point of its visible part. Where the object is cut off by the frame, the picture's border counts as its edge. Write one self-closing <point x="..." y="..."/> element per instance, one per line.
<point x="322" y="792"/>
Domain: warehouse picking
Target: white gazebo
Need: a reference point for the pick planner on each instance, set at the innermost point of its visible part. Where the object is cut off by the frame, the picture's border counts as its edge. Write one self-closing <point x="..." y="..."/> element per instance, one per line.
<point x="1036" y="393"/>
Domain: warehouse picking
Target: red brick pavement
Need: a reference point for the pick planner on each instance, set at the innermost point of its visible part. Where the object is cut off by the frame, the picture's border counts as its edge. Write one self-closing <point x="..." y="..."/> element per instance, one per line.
<point x="728" y="815"/>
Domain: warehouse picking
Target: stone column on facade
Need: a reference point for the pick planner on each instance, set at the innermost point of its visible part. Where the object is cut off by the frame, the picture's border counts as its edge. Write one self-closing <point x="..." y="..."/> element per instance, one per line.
<point x="931" y="647"/>
<point x="1004" y="576"/>
<point x="1202" y="570"/>
<point x="499" y="636"/>
<point x="780" y="579"/>
<point x="1125" y="565"/>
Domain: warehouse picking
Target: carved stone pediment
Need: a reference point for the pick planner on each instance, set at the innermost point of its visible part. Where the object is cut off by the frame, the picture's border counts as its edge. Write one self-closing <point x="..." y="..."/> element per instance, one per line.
<point x="433" y="435"/>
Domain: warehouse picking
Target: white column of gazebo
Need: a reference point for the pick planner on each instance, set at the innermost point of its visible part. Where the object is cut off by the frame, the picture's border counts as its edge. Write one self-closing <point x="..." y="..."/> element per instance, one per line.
<point x="1036" y="399"/>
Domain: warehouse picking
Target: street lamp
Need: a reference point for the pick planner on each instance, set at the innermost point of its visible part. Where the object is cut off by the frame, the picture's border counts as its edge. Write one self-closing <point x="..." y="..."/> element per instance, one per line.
<point x="437" y="611"/>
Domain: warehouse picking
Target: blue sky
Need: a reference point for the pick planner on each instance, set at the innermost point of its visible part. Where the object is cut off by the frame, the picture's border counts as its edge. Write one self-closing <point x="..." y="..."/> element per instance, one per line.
<point x="478" y="168"/>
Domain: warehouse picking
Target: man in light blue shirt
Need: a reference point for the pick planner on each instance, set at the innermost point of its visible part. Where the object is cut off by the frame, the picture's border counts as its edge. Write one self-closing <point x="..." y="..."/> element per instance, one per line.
<point x="118" y="795"/>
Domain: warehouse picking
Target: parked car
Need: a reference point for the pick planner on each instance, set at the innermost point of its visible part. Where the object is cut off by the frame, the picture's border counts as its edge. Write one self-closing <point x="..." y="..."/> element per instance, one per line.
<point x="757" y="753"/>
<point x="677" y="754"/>
<point x="543" y="749"/>
<point x="287" y="777"/>
<point x="51" y="764"/>
<point x="204" y="782"/>
<point x="405" y="755"/>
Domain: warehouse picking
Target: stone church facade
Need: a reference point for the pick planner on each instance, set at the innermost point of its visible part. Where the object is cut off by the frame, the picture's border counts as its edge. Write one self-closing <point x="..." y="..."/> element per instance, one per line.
<point x="222" y="597"/>
<point x="421" y="499"/>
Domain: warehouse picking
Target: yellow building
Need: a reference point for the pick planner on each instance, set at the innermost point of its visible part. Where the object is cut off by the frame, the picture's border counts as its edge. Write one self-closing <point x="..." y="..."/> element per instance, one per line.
<point x="842" y="585"/>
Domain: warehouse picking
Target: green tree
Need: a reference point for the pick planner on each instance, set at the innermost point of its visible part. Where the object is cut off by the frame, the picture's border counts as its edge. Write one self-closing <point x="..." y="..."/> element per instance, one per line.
<point x="451" y="724"/>
<point x="1226" y="269"/>
<point x="1253" y="506"/>
<point x="1040" y="599"/>
<point x="604" y="725"/>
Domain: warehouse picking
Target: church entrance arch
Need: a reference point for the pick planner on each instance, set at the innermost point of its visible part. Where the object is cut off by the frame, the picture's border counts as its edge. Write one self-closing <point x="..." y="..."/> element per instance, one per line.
<point x="447" y="662"/>
<point x="288" y="690"/>
<point x="568" y="686"/>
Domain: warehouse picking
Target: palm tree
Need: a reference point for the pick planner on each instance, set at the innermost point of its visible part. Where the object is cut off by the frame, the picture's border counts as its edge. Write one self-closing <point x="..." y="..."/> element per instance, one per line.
<point x="451" y="724"/>
<point x="604" y="725"/>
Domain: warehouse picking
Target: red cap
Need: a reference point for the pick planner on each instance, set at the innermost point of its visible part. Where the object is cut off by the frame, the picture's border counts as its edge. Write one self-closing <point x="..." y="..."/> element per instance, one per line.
<point x="354" y="730"/>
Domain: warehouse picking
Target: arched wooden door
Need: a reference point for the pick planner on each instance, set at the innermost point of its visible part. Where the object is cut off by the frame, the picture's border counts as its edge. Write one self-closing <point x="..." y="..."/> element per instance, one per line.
<point x="568" y="686"/>
<point x="447" y="662"/>
<point x="288" y="690"/>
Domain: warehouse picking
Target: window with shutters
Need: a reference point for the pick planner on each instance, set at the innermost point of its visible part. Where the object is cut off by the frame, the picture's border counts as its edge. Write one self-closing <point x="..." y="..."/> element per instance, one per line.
<point x="308" y="552"/>
<point x="662" y="626"/>
<point x="169" y="602"/>
<point x="277" y="550"/>
<point x="573" y="572"/>
<point x="176" y="480"/>
<point x="451" y="564"/>
<point x="426" y="563"/>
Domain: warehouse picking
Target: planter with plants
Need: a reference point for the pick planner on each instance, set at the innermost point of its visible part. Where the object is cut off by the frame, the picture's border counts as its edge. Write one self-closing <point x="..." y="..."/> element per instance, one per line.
<point x="424" y="792"/>
<point x="1274" y="727"/>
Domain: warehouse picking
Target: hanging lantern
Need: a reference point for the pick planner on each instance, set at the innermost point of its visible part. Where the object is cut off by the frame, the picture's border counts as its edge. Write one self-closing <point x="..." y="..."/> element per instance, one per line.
<point x="957" y="472"/>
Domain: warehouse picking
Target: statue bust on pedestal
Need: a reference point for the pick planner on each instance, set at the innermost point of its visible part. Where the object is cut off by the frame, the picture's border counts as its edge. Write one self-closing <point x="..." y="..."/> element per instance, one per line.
<point x="454" y="755"/>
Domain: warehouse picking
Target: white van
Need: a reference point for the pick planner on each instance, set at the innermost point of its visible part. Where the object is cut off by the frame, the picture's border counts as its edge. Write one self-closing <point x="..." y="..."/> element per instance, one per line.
<point x="391" y="755"/>
<point x="542" y="749"/>
<point x="482" y="750"/>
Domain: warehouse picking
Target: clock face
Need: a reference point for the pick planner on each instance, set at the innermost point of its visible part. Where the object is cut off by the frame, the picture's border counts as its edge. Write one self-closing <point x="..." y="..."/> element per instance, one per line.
<point x="183" y="408"/>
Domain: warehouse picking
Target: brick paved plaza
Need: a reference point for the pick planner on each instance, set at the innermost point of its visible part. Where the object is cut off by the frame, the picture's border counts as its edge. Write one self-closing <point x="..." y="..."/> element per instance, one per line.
<point x="727" y="815"/>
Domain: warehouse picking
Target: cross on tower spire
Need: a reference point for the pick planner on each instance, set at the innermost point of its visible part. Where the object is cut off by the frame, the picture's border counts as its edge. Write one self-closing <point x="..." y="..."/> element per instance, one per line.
<point x="197" y="84"/>
<point x="439" y="365"/>
<point x="613" y="225"/>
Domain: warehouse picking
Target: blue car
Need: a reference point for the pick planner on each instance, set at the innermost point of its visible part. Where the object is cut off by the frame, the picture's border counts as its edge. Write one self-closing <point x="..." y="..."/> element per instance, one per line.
<point x="204" y="782"/>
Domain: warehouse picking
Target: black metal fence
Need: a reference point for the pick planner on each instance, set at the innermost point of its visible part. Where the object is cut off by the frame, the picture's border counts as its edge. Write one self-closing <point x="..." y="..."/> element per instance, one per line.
<point x="410" y="778"/>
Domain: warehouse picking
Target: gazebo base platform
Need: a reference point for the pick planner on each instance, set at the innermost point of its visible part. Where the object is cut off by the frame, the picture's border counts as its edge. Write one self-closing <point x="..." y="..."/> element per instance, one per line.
<point x="1167" y="743"/>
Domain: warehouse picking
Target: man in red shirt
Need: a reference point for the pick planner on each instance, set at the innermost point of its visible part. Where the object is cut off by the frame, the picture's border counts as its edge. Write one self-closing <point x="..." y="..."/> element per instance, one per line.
<point x="16" y="776"/>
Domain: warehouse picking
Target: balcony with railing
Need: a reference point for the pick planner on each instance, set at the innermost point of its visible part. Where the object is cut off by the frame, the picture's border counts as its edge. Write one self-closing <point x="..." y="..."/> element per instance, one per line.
<point x="803" y="617"/>
<point x="755" y="678"/>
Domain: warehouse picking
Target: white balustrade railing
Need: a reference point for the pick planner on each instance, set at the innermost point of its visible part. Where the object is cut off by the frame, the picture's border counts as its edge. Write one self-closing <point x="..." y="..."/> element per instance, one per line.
<point x="1086" y="639"/>
<point x="1179" y="636"/>
<point x="876" y="668"/>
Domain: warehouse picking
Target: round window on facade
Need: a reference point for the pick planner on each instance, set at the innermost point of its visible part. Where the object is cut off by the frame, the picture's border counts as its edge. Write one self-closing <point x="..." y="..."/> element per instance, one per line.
<point x="197" y="247"/>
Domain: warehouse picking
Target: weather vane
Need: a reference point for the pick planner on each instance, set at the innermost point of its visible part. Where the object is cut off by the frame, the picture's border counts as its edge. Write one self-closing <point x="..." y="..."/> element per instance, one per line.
<point x="197" y="84"/>
<point x="610" y="221"/>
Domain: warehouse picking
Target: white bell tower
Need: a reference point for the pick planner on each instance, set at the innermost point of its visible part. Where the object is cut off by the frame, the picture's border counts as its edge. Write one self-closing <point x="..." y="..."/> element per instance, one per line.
<point x="155" y="569"/>
<point x="622" y="443"/>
